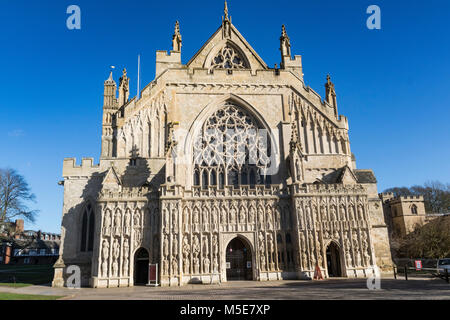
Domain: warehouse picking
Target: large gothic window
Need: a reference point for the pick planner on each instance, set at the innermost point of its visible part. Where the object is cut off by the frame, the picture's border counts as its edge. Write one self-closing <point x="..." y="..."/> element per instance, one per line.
<point x="229" y="58"/>
<point x="231" y="149"/>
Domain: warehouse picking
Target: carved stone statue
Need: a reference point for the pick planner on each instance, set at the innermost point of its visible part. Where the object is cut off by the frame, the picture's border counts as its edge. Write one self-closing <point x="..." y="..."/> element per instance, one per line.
<point x="117" y="222"/>
<point x="261" y="218"/>
<point x="333" y="213"/>
<point x="137" y="219"/>
<point x="242" y="215"/>
<point x="269" y="219"/>
<point x="186" y="219"/>
<point x="223" y="215"/>
<point x="186" y="265"/>
<point x="251" y="215"/>
<point x="205" y="246"/>
<point x="105" y="254"/>
<point x="206" y="264"/>
<point x="360" y="212"/>
<point x="175" y="220"/>
<point x="232" y="215"/>
<point x="107" y="223"/>
<point x="127" y="223"/>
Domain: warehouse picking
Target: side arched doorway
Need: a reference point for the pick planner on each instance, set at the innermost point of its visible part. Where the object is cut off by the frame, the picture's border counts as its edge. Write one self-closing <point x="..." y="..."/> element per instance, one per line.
<point x="334" y="260"/>
<point x="238" y="261"/>
<point x="141" y="262"/>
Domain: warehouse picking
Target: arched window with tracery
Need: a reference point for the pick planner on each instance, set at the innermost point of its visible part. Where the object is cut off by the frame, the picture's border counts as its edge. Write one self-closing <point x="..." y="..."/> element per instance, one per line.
<point x="229" y="57"/>
<point x="414" y="209"/>
<point x="87" y="229"/>
<point x="232" y="148"/>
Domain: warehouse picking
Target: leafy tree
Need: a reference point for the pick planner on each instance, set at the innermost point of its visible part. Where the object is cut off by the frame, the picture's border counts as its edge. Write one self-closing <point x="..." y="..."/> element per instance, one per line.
<point x="14" y="196"/>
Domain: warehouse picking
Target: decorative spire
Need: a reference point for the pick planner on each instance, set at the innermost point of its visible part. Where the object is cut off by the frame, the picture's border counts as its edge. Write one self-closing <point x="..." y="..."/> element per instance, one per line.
<point x="285" y="46"/>
<point x="225" y="11"/>
<point x="123" y="88"/>
<point x="176" y="39"/>
<point x="330" y="94"/>
<point x="226" y="21"/>
<point x="110" y="78"/>
<point x="283" y="32"/>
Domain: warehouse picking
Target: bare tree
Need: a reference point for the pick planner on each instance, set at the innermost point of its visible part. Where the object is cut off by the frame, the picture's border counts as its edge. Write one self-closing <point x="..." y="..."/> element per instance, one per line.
<point x="14" y="196"/>
<point x="436" y="195"/>
<point x="431" y="241"/>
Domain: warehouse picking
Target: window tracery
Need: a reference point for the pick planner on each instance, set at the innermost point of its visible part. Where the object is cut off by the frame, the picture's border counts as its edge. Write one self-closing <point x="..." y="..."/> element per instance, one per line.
<point x="231" y="149"/>
<point x="229" y="58"/>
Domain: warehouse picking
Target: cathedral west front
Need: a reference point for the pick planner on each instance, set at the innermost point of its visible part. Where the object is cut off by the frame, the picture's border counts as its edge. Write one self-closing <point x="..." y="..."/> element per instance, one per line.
<point x="221" y="169"/>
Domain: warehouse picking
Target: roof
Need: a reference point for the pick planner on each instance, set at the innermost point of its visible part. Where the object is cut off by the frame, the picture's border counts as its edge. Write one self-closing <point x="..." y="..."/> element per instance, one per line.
<point x="362" y="176"/>
<point x="365" y="176"/>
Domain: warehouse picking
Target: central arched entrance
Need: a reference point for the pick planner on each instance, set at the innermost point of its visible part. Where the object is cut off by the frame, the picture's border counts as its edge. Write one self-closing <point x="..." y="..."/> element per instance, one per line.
<point x="334" y="260"/>
<point x="141" y="263"/>
<point x="238" y="261"/>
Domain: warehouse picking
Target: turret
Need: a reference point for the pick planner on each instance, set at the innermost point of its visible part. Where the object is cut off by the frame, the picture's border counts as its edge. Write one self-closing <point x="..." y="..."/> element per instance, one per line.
<point x="109" y="95"/>
<point x="287" y="63"/>
<point x="166" y="60"/>
<point x="110" y="106"/>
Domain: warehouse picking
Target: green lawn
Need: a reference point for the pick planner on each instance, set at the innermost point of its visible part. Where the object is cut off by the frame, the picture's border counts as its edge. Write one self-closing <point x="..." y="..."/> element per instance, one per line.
<point x="14" y="296"/>
<point x="25" y="275"/>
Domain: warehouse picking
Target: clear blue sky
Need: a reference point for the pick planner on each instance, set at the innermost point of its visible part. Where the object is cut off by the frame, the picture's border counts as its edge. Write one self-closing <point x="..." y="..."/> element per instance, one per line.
<point x="393" y="84"/>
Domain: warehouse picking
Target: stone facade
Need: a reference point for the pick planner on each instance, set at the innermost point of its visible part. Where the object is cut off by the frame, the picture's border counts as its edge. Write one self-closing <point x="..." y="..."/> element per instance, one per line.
<point x="176" y="176"/>
<point x="403" y="214"/>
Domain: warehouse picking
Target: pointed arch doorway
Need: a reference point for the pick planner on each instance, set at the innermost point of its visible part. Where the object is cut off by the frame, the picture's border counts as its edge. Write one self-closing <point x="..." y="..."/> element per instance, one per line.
<point x="141" y="264"/>
<point x="239" y="261"/>
<point x="334" y="260"/>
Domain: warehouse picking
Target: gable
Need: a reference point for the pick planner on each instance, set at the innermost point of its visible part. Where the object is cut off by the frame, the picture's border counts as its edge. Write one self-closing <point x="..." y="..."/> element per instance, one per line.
<point x="347" y="176"/>
<point x="221" y="40"/>
<point x="111" y="180"/>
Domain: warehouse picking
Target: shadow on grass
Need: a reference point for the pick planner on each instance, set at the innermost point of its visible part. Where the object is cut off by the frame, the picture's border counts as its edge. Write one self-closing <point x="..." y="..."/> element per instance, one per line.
<point x="22" y="276"/>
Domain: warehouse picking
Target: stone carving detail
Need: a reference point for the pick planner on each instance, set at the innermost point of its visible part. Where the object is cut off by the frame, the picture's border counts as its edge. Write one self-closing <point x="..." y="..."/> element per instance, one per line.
<point x="166" y="255"/>
<point x="126" y="252"/>
<point x="241" y="154"/>
<point x="262" y="251"/>
<point x="137" y="219"/>
<point x="116" y="254"/>
<point x="117" y="222"/>
<point x="186" y="254"/>
<point x="107" y="223"/>
<point x="195" y="252"/>
<point x="105" y="256"/>
<point x="127" y="223"/>
<point x="174" y="220"/>
<point x="229" y="58"/>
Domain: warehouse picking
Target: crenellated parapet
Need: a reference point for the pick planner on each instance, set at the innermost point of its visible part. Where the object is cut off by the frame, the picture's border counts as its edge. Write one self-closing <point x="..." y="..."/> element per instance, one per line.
<point x="86" y="169"/>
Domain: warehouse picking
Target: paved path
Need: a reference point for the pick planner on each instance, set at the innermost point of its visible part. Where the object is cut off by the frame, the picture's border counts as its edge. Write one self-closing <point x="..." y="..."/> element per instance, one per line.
<point x="354" y="289"/>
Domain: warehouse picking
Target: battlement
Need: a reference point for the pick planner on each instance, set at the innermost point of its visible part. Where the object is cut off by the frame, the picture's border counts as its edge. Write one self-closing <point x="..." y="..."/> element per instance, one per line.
<point x="389" y="197"/>
<point x="87" y="167"/>
<point x="166" y="60"/>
